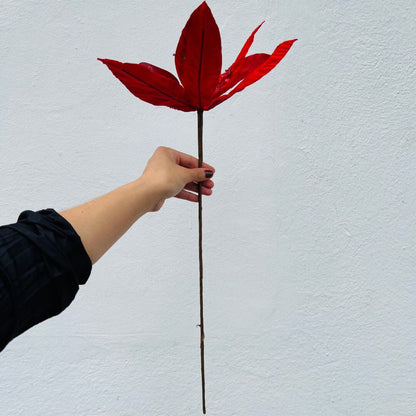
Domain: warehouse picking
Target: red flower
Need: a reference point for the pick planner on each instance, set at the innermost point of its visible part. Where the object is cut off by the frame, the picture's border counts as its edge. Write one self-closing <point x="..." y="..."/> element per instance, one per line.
<point x="198" y="64"/>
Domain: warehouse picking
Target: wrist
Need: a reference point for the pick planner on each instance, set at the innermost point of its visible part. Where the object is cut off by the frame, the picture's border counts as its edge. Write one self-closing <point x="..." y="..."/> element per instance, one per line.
<point x="148" y="194"/>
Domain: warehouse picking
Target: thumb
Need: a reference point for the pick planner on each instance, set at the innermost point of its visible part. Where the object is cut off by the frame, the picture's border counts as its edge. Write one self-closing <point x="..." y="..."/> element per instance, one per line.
<point x="199" y="174"/>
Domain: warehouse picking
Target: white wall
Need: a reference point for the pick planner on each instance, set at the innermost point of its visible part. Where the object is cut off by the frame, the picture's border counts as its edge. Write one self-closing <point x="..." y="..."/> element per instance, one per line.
<point x="309" y="242"/>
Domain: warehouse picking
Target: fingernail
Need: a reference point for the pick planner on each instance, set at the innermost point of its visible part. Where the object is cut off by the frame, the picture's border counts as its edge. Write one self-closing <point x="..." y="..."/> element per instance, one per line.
<point x="209" y="174"/>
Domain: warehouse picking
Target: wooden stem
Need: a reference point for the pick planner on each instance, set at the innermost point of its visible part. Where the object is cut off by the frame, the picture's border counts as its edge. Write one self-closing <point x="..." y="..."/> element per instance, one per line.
<point x="201" y="298"/>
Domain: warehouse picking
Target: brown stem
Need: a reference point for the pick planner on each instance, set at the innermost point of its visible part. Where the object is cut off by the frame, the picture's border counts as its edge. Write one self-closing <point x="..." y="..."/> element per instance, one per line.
<point x="201" y="298"/>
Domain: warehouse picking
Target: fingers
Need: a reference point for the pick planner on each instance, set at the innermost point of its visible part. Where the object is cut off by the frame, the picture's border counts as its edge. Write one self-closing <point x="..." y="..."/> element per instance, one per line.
<point x="182" y="159"/>
<point x="188" y="161"/>
<point x="183" y="173"/>
<point x="208" y="183"/>
<point x="188" y="192"/>
<point x="191" y="171"/>
<point x="205" y="190"/>
<point x="188" y="196"/>
<point x="198" y="174"/>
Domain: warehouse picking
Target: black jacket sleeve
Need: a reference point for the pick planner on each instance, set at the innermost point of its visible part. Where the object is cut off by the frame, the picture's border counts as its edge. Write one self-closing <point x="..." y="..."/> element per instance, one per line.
<point x="42" y="263"/>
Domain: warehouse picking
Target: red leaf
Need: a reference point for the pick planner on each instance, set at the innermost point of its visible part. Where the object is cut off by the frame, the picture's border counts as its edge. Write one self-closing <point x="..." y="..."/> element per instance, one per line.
<point x="150" y="83"/>
<point x="198" y="57"/>
<point x="259" y="72"/>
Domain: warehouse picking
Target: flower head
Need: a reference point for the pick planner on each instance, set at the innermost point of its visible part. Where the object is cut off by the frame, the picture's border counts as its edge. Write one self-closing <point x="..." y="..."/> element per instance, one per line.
<point x="198" y="61"/>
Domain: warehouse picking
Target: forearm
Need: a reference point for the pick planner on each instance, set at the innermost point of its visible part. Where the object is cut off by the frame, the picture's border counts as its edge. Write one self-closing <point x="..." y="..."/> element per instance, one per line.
<point x="102" y="221"/>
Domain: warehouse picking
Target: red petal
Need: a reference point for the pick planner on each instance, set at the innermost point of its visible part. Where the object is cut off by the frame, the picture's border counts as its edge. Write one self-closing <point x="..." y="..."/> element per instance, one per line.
<point x="248" y="44"/>
<point x="239" y="71"/>
<point x="278" y="54"/>
<point x="150" y="83"/>
<point x="232" y="76"/>
<point x="198" y="57"/>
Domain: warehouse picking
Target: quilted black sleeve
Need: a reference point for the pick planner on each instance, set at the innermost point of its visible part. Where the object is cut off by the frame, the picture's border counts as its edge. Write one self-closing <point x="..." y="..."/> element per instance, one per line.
<point x="42" y="264"/>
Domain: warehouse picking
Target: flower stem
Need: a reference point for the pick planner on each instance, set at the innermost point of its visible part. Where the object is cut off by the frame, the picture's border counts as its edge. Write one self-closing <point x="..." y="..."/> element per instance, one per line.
<point x="201" y="298"/>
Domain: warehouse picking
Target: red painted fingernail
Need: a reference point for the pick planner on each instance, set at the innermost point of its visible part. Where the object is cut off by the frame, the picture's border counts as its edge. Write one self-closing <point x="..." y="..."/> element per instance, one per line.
<point x="209" y="174"/>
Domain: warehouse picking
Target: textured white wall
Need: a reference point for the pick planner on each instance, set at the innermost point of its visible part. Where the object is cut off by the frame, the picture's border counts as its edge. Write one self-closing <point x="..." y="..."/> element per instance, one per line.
<point x="310" y="236"/>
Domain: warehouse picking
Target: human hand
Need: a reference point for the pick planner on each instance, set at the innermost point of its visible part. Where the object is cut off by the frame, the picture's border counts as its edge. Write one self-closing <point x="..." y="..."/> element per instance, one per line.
<point x="175" y="174"/>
